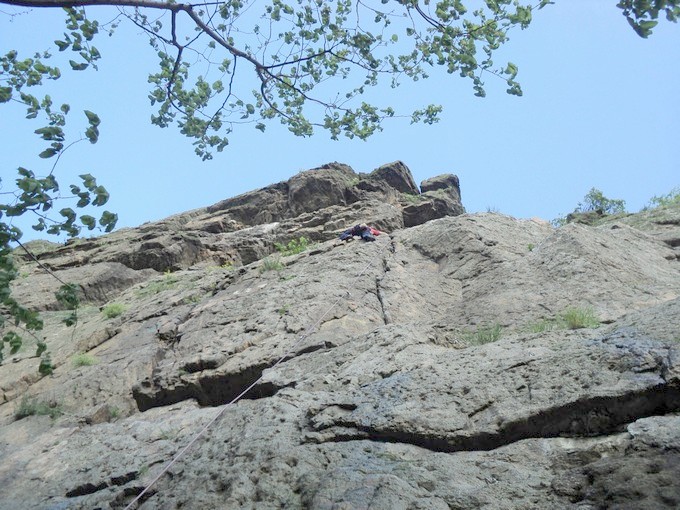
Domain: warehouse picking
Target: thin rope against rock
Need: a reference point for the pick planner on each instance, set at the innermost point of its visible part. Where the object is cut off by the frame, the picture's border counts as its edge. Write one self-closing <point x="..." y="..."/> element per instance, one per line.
<point x="308" y="331"/>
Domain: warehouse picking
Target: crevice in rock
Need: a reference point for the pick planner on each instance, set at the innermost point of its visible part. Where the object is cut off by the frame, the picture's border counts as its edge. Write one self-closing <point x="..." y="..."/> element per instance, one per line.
<point x="381" y="300"/>
<point x="309" y="349"/>
<point x="90" y="488"/>
<point x="379" y="294"/>
<point x="585" y="418"/>
<point x="213" y="389"/>
<point x="393" y="245"/>
<point x="85" y="489"/>
<point x="122" y="500"/>
<point x="122" y="480"/>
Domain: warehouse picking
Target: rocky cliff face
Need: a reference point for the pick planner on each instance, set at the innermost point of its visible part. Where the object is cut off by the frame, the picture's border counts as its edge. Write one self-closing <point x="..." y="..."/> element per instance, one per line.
<point x="458" y="362"/>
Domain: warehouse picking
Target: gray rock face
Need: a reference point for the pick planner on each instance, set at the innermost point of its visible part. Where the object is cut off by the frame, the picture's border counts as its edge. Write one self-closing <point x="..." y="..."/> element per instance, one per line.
<point x="317" y="204"/>
<point x="396" y="175"/>
<point x="456" y="363"/>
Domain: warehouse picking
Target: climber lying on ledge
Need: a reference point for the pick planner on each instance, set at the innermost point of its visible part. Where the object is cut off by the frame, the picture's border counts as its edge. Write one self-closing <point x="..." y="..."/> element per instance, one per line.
<point x="364" y="231"/>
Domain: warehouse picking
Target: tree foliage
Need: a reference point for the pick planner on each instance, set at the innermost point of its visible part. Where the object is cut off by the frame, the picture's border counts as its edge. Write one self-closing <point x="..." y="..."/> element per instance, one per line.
<point x="596" y="201"/>
<point x="643" y="15"/>
<point x="308" y="64"/>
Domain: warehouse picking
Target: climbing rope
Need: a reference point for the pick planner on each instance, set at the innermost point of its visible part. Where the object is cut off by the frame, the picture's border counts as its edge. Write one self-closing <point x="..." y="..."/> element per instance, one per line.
<point x="304" y="335"/>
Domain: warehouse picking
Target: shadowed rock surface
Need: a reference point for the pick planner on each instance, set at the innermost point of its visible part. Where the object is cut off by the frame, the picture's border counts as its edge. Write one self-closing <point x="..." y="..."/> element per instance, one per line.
<point x="458" y="362"/>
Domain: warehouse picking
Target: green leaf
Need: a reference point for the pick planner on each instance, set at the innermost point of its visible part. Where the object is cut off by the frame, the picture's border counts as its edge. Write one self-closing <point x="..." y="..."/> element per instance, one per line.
<point x="68" y="213"/>
<point x="5" y="94"/>
<point x="48" y="153"/>
<point x="88" y="181"/>
<point x="511" y="69"/>
<point x="14" y="341"/>
<point x="67" y="296"/>
<point x="108" y="220"/>
<point x="84" y="199"/>
<point x="102" y="196"/>
<point x="92" y="118"/>
<point x="51" y="133"/>
<point x="46" y="367"/>
<point x="78" y="67"/>
<point x="646" y="27"/>
<point x="71" y="319"/>
<point x="41" y="347"/>
<point x="89" y="221"/>
<point x="92" y="134"/>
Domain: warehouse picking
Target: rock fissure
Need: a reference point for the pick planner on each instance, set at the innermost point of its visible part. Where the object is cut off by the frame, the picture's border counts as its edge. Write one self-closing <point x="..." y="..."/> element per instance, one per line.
<point x="586" y="418"/>
<point x="381" y="300"/>
<point x="90" y="488"/>
<point x="85" y="489"/>
<point x="213" y="388"/>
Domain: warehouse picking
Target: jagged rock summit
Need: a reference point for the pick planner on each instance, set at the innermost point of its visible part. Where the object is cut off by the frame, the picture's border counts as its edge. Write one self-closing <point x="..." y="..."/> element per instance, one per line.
<point x="459" y="362"/>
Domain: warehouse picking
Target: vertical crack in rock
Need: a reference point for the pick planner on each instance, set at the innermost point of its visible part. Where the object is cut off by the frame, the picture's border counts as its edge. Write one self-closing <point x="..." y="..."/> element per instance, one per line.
<point x="381" y="300"/>
<point x="379" y="293"/>
<point x="393" y="245"/>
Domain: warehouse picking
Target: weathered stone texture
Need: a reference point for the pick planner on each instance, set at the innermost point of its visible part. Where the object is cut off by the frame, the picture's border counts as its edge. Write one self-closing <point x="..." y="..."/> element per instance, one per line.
<point x="430" y="369"/>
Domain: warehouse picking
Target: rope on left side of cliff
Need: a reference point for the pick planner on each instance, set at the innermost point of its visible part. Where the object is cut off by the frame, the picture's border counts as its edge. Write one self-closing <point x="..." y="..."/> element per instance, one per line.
<point x="303" y="336"/>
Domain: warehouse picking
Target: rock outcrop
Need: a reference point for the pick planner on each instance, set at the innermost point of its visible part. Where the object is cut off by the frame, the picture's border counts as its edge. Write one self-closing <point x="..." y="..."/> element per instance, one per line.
<point x="317" y="204"/>
<point x="460" y="361"/>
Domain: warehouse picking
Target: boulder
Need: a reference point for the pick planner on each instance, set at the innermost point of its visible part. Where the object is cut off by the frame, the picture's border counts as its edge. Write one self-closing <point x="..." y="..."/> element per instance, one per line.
<point x="448" y="182"/>
<point x="320" y="188"/>
<point x="398" y="176"/>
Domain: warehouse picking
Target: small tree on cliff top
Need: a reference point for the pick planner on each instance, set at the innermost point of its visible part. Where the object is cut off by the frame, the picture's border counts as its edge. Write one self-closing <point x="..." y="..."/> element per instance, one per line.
<point x="229" y="64"/>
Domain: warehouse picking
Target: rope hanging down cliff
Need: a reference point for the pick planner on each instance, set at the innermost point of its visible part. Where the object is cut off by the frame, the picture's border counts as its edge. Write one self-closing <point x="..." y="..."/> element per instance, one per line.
<point x="304" y="335"/>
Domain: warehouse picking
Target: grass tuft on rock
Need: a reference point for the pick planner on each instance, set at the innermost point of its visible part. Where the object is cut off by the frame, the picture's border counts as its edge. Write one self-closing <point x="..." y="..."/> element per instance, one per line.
<point x="293" y="247"/>
<point x="579" y="318"/>
<point x="270" y="264"/>
<point x="84" y="360"/>
<point x="113" y="310"/>
<point x="168" y="281"/>
<point x="34" y="407"/>
<point x="483" y="335"/>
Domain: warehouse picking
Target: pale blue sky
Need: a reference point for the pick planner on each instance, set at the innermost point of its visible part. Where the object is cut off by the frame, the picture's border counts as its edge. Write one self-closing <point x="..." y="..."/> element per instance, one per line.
<point x="600" y="109"/>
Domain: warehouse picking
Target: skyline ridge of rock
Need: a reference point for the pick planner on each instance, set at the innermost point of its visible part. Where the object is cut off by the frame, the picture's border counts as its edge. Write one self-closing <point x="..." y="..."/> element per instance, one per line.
<point x="461" y="361"/>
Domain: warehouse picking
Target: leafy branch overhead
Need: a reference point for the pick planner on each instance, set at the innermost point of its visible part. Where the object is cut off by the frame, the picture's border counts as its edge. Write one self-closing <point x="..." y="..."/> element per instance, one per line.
<point x="643" y="15"/>
<point x="307" y="64"/>
<point x="38" y="196"/>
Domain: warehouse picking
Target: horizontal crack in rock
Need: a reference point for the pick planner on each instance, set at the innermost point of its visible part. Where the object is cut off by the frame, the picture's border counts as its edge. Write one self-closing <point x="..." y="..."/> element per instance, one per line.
<point x="209" y="389"/>
<point x="591" y="417"/>
<point x="213" y="389"/>
<point x="85" y="489"/>
<point x="90" y="488"/>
